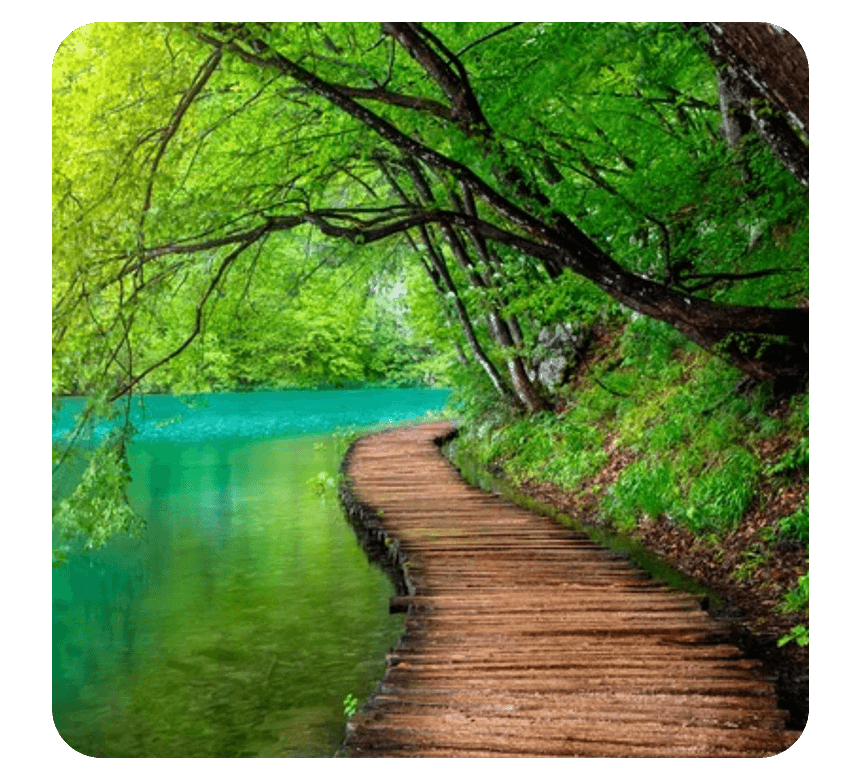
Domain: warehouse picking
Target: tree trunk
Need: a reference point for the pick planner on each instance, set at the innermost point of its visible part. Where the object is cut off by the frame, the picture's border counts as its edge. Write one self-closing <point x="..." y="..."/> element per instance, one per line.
<point x="765" y="68"/>
<point x="499" y="330"/>
<point x="441" y="278"/>
<point x="706" y="323"/>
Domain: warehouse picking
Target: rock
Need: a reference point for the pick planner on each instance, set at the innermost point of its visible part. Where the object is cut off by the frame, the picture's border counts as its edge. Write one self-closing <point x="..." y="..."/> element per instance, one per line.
<point x="557" y="351"/>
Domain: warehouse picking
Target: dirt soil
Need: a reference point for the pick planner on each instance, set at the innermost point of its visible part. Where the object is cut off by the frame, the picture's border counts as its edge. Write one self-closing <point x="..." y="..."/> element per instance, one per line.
<point x="748" y="574"/>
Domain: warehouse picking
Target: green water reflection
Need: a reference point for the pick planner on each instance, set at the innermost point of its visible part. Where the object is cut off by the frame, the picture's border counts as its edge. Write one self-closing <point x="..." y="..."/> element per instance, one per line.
<point x="237" y="624"/>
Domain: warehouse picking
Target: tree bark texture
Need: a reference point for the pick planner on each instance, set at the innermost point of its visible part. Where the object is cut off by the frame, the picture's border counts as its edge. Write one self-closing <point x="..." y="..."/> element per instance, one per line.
<point x="762" y="64"/>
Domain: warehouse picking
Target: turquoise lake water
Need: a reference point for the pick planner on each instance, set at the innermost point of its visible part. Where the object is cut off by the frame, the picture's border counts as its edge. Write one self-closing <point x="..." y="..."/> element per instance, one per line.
<point x="246" y="614"/>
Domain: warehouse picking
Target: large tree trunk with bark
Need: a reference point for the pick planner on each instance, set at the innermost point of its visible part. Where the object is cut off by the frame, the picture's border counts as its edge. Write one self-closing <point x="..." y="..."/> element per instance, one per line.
<point x="704" y="322"/>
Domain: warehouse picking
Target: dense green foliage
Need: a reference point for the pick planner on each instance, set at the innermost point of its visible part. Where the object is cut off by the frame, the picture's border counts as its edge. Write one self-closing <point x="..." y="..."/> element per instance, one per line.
<point x="303" y="312"/>
<point x="161" y="143"/>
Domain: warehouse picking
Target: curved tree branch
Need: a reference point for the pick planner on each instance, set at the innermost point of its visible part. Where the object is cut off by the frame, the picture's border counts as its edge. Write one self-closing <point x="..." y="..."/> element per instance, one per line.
<point x="207" y="69"/>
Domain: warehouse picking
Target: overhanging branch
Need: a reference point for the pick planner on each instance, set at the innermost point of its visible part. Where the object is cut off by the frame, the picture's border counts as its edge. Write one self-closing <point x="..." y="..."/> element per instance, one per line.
<point x="198" y="316"/>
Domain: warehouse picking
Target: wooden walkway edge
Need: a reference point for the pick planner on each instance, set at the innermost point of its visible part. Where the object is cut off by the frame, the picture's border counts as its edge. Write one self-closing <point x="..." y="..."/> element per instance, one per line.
<point x="524" y="638"/>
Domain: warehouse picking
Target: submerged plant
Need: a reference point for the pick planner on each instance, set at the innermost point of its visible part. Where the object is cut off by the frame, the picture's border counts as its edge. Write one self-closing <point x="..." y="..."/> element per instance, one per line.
<point x="350" y="705"/>
<point x="322" y="483"/>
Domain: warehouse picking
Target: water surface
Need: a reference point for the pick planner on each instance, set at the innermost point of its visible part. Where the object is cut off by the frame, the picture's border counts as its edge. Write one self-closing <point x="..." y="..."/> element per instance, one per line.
<point x="247" y="612"/>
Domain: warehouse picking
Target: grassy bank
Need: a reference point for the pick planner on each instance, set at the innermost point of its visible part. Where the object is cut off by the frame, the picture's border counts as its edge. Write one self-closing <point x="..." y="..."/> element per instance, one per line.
<point x="655" y="439"/>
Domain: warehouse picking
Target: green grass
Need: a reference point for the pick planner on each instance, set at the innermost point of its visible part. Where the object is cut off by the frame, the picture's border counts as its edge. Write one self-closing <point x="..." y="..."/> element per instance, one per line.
<point x="795" y="527"/>
<point x="679" y="411"/>
<point x="797" y="600"/>
<point x="643" y="488"/>
<point x="718" y="497"/>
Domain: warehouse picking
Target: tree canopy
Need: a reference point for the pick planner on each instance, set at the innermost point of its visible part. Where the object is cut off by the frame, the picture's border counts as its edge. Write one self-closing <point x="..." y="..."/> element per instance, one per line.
<point x="253" y="204"/>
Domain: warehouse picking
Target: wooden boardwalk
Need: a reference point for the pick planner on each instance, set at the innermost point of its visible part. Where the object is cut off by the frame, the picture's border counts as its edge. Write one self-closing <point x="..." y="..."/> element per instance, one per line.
<point x="524" y="638"/>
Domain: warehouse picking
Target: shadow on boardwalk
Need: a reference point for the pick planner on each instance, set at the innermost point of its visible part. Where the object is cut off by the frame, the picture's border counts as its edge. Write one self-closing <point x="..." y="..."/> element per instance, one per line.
<point x="524" y="638"/>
